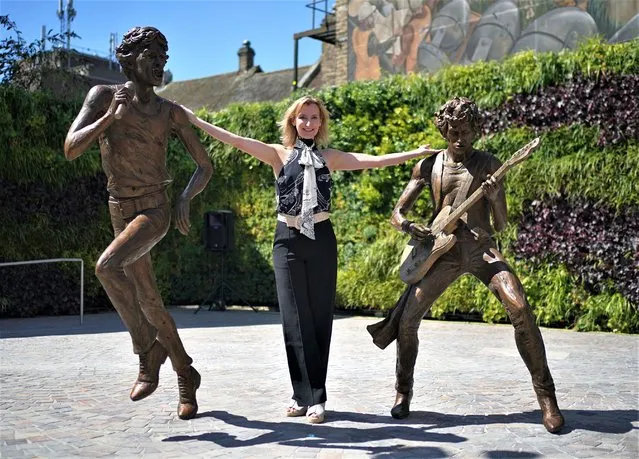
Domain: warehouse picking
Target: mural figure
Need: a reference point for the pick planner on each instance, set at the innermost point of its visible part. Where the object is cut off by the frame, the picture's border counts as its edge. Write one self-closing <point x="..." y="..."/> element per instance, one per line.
<point x="386" y="34"/>
<point x="454" y="176"/>
<point x="448" y="32"/>
<point x="495" y="34"/>
<point x="558" y="29"/>
<point x="628" y="32"/>
<point x="132" y="125"/>
<point x="397" y="36"/>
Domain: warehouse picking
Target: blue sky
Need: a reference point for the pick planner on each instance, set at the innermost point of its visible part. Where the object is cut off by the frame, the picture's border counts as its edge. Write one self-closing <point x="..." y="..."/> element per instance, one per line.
<point x="203" y="35"/>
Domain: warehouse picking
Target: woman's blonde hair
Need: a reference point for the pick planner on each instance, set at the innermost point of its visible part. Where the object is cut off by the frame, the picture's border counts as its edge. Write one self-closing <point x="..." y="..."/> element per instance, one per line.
<point x="287" y="124"/>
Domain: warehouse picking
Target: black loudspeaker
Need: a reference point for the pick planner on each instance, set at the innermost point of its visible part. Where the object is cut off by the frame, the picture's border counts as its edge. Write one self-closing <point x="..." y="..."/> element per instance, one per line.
<point x="218" y="230"/>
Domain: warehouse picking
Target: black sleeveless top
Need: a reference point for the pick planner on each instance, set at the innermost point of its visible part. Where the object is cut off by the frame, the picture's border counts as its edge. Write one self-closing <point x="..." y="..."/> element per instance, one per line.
<point x="289" y="183"/>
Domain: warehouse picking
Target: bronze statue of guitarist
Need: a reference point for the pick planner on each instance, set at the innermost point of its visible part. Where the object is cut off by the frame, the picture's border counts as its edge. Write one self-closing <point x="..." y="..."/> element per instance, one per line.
<point x="464" y="184"/>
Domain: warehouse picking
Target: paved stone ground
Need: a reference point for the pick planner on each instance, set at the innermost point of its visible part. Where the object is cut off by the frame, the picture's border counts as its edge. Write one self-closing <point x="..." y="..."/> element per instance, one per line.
<point x="64" y="393"/>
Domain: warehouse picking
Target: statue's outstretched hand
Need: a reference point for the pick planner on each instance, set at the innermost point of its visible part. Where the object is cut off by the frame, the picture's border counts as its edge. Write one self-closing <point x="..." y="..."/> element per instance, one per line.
<point x="182" y="219"/>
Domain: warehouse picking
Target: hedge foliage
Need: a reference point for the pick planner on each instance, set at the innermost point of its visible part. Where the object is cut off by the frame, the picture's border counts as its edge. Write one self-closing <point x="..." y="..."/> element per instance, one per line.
<point x="55" y="208"/>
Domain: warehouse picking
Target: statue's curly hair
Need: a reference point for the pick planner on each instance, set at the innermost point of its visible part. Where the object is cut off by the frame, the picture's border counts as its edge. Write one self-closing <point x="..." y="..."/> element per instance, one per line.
<point x="134" y="42"/>
<point x="455" y="110"/>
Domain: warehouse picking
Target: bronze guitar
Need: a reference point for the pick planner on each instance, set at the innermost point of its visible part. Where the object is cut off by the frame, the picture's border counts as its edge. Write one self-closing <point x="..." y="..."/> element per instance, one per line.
<point x="419" y="256"/>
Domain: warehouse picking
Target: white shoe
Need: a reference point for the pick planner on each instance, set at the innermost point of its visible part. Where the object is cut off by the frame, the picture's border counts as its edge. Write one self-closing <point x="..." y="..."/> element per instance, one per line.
<point x="295" y="410"/>
<point x="316" y="413"/>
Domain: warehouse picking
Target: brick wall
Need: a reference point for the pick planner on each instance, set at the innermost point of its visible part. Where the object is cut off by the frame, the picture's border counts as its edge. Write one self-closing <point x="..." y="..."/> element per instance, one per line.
<point x="335" y="57"/>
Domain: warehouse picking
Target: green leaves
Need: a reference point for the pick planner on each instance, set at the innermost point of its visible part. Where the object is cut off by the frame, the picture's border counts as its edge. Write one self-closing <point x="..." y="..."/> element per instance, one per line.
<point x="375" y="117"/>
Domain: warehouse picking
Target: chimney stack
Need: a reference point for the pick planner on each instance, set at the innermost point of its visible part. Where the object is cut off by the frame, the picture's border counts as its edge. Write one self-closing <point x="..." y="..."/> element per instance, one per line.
<point x="246" y="54"/>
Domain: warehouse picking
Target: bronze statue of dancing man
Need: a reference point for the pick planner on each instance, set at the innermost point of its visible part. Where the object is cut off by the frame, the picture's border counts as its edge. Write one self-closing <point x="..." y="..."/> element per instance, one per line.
<point x="132" y="125"/>
<point x="451" y="176"/>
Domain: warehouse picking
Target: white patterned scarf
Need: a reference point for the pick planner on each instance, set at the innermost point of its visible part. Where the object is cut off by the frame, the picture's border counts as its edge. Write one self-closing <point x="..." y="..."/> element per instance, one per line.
<point x="311" y="161"/>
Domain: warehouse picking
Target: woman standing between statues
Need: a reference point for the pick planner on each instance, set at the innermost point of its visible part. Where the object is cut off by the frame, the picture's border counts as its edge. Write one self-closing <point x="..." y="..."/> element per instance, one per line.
<point x="305" y="248"/>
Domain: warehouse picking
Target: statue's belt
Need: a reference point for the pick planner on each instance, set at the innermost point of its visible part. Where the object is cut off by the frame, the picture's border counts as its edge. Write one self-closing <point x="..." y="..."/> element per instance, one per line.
<point x="129" y="207"/>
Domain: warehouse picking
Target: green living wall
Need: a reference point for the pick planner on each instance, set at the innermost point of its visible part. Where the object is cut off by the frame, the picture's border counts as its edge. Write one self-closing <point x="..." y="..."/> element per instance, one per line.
<point x="51" y="208"/>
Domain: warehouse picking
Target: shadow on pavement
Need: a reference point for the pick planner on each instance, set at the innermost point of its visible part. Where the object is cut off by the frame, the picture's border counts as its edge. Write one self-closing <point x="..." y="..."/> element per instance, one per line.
<point x="109" y="322"/>
<point x="509" y="454"/>
<point x="604" y="421"/>
<point x="301" y="434"/>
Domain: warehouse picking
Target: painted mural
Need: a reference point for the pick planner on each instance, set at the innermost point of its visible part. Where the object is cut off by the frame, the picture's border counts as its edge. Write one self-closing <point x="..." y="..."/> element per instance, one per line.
<point x="400" y="36"/>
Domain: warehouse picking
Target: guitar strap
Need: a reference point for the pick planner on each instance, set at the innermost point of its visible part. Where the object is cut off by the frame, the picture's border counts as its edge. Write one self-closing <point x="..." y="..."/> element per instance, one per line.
<point x="462" y="194"/>
<point x="438" y="175"/>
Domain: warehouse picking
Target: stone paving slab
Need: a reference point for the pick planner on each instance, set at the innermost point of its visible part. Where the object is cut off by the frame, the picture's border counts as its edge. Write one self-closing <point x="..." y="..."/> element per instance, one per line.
<point x="64" y="393"/>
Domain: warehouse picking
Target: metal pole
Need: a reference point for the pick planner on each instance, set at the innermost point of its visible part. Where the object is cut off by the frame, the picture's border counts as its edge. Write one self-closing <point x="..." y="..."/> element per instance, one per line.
<point x="81" y="292"/>
<point x="295" y="66"/>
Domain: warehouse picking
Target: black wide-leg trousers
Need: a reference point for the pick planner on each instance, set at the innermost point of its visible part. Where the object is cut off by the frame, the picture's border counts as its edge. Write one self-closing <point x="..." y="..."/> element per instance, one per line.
<point x="306" y="280"/>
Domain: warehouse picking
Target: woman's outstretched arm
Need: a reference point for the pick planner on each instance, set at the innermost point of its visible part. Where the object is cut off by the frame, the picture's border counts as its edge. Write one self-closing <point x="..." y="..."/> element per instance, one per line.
<point x="267" y="153"/>
<point x="346" y="161"/>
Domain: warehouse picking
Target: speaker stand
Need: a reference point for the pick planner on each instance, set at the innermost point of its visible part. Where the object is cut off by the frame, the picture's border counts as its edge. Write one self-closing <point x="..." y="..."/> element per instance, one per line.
<point x="216" y="297"/>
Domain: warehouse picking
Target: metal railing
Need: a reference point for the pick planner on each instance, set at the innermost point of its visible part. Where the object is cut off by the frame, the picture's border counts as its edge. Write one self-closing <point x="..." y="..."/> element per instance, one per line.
<point x="315" y="5"/>
<point x="56" y="260"/>
<point x="325" y="32"/>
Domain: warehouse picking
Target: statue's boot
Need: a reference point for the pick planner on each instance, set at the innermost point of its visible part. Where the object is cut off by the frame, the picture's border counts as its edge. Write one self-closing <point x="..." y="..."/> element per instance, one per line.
<point x="188" y="382"/>
<point x="401" y="409"/>
<point x="149" y="376"/>
<point x="552" y="417"/>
